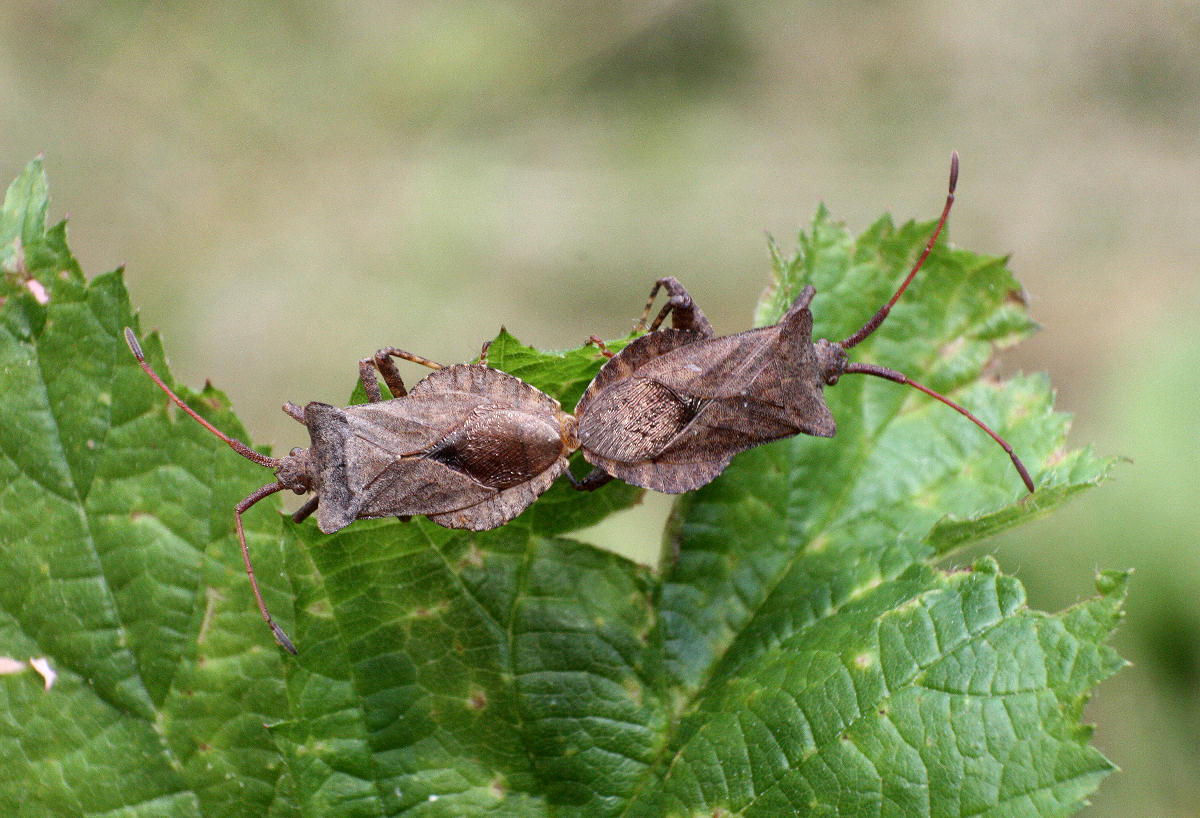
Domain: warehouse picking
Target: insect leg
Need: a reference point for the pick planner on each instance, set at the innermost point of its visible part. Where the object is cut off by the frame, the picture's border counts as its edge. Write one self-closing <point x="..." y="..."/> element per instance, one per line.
<point x="238" y="511"/>
<point x="596" y="478"/>
<point x="391" y="374"/>
<point x="595" y="341"/>
<point x="294" y="412"/>
<point x="680" y="306"/>
<point x="305" y="511"/>
<point x="366" y="374"/>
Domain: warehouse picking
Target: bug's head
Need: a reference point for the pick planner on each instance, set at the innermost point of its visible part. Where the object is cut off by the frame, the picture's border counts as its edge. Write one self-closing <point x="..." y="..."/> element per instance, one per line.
<point x="293" y="471"/>
<point x="831" y="360"/>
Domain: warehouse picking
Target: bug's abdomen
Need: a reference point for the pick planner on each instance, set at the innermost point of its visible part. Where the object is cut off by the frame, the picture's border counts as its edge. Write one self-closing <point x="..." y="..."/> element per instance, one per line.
<point x="500" y="448"/>
<point x="634" y="420"/>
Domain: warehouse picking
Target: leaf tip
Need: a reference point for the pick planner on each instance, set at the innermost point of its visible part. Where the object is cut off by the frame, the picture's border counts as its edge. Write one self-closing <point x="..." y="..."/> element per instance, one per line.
<point x="986" y="565"/>
<point x="1113" y="584"/>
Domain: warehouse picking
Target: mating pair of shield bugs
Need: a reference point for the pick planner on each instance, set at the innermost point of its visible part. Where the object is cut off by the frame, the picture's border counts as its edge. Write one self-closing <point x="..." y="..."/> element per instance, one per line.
<point x="471" y="447"/>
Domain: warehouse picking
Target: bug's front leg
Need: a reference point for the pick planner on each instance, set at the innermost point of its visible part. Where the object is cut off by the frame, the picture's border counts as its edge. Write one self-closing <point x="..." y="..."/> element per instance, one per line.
<point x="305" y="511"/>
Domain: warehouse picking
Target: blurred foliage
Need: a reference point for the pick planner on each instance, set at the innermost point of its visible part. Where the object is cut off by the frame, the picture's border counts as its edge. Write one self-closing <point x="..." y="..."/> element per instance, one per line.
<point x="267" y="170"/>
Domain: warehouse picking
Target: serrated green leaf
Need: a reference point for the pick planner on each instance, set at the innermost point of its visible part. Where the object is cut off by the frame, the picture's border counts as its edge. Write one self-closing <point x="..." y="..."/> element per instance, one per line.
<point x="798" y="654"/>
<point x="928" y="694"/>
<point x="481" y="671"/>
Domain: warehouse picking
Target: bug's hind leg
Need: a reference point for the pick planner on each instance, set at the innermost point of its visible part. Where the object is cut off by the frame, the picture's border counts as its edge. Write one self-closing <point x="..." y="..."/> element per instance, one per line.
<point x="366" y="374"/>
<point x="382" y="361"/>
<point x="680" y="306"/>
<point x="596" y="478"/>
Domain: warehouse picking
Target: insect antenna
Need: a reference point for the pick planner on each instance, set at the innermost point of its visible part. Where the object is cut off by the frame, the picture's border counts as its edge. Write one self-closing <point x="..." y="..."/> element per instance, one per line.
<point x="239" y="509"/>
<point x="877" y="318"/>
<point x="237" y="445"/>
<point x="901" y="378"/>
<point x="258" y="494"/>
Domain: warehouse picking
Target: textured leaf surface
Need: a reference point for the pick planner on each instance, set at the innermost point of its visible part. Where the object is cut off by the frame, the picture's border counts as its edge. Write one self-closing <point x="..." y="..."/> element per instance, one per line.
<point x="796" y="653"/>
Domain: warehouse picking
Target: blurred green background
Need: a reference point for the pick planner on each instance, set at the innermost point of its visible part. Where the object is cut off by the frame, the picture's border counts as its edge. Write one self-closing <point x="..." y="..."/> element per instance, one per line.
<point x="295" y="185"/>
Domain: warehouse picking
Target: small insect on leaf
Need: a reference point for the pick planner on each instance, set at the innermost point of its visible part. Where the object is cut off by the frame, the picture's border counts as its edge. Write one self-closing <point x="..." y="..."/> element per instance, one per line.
<point x="671" y="410"/>
<point x="469" y="447"/>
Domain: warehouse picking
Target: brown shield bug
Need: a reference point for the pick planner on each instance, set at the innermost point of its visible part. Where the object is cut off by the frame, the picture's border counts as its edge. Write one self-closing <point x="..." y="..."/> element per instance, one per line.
<point x="469" y="447"/>
<point x="672" y="409"/>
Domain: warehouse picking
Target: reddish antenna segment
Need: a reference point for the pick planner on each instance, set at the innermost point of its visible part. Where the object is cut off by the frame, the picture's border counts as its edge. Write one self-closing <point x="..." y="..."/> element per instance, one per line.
<point x="900" y="377"/>
<point x="877" y="319"/>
